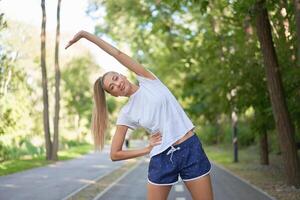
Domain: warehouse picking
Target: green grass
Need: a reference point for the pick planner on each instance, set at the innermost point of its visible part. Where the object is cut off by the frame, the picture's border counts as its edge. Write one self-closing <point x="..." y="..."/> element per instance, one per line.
<point x="28" y="162"/>
<point x="74" y="152"/>
<point x="223" y="154"/>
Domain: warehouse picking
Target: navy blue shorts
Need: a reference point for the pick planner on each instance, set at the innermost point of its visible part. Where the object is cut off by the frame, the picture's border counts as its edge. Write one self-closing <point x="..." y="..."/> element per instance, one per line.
<point x="186" y="159"/>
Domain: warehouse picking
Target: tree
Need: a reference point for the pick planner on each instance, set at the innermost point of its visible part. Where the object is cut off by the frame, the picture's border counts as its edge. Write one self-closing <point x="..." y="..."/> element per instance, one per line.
<point x="57" y="86"/>
<point x="45" y="84"/>
<point x="205" y="46"/>
<point x="284" y="125"/>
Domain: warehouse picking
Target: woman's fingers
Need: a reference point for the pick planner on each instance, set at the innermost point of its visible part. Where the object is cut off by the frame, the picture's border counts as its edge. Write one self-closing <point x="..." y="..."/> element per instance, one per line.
<point x="69" y="44"/>
<point x="156" y="134"/>
<point x="156" y="139"/>
<point x="156" y="142"/>
<point x="76" y="37"/>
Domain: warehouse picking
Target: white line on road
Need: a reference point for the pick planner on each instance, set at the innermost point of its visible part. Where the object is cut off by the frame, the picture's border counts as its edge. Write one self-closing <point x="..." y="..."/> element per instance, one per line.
<point x="180" y="198"/>
<point x="179" y="188"/>
<point x="88" y="184"/>
<point x="119" y="179"/>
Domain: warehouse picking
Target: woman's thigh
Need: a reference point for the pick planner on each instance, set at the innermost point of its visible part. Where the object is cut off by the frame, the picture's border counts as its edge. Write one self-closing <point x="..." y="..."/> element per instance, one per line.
<point x="156" y="192"/>
<point x="201" y="188"/>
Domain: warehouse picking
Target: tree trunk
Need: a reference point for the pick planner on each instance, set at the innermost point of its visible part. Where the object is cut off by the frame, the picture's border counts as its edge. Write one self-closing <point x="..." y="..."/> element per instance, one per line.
<point x="264" y="152"/>
<point x="57" y="84"/>
<point x="284" y="125"/>
<point x="297" y="16"/>
<point x="44" y="84"/>
<point x="234" y="136"/>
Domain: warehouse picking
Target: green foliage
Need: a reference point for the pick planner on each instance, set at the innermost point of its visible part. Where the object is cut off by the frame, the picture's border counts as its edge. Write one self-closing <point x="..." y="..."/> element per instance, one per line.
<point x="211" y="50"/>
<point x="245" y="135"/>
<point x="75" y="77"/>
<point x="206" y="52"/>
<point x="6" y="120"/>
<point x="21" y="121"/>
<point x="217" y="134"/>
<point x="111" y="105"/>
<point x="67" y="143"/>
<point x="16" y="165"/>
<point x="3" y="23"/>
<point x="138" y="134"/>
<point x="78" y="88"/>
<point x="210" y="135"/>
<point x="15" y="104"/>
<point x="20" y="147"/>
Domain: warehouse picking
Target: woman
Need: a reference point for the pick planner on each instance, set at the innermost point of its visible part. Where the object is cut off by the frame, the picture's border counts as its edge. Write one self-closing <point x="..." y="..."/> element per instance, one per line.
<point x="174" y="148"/>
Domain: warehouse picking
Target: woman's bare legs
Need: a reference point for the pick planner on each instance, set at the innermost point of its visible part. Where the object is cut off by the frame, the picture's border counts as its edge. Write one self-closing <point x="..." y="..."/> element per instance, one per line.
<point x="156" y="192"/>
<point x="201" y="188"/>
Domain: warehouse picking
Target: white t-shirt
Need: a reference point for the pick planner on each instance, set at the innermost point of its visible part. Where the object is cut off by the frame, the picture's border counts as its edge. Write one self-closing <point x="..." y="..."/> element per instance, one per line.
<point x="154" y="108"/>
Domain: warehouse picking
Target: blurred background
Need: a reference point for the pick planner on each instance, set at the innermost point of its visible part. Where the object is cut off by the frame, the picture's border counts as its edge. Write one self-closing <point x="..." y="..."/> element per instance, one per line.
<point x="208" y="53"/>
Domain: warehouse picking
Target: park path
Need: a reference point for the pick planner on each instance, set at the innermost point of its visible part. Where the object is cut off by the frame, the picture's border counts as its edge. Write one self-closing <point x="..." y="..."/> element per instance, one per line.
<point x="225" y="187"/>
<point x="64" y="178"/>
<point x="58" y="180"/>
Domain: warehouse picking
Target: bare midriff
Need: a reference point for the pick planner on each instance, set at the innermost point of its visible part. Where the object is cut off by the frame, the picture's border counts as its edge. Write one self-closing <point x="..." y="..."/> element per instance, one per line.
<point x="185" y="137"/>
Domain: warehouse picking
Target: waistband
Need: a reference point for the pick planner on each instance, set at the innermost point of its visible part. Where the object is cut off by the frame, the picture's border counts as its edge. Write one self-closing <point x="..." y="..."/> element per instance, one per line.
<point x="185" y="143"/>
<point x="185" y="137"/>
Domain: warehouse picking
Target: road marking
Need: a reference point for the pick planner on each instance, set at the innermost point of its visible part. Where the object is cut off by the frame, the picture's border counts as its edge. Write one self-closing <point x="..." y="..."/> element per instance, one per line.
<point x="88" y="184"/>
<point x="118" y="180"/>
<point x="179" y="188"/>
<point x="180" y="198"/>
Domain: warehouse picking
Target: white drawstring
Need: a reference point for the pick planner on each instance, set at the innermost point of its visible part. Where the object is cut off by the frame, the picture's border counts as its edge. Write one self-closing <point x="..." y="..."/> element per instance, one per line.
<point x="172" y="150"/>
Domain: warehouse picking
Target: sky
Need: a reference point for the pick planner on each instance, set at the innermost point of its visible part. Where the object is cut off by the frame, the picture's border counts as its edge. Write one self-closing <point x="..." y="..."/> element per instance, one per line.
<point x="73" y="18"/>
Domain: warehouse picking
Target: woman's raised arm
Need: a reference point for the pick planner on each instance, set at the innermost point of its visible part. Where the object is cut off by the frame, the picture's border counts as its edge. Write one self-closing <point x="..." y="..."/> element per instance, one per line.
<point x="124" y="59"/>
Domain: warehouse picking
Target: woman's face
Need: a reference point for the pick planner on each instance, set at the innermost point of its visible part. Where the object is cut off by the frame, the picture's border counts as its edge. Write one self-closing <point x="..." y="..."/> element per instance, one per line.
<point x="116" y="84"/>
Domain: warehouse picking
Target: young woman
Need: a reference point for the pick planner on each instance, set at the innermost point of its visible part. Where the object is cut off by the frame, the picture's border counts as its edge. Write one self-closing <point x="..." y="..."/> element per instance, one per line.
<point x="174" y="148"/>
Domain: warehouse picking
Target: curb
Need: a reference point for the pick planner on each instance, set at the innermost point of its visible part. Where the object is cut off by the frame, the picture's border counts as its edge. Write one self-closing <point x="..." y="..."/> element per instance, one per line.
<point x="88" y="184"/>
<point x="98" y="179"/>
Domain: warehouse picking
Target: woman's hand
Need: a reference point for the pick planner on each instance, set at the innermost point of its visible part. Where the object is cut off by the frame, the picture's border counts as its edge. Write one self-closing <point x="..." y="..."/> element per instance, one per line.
<point x="76" y="37"/>
<point x="154" y="140"/>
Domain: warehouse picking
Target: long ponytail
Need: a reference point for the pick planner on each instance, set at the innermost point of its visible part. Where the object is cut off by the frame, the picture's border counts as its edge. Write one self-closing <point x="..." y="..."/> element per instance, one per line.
<point x="99" y="117"/>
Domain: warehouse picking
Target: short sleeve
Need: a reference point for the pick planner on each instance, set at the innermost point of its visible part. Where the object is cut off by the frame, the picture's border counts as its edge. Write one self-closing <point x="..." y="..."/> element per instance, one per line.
<point x="142" y="79"/>
<point x="124" y="119"/>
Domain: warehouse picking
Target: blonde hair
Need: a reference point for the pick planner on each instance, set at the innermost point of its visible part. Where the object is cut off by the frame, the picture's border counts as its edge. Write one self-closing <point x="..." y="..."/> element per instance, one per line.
<point x="99" y="117"/>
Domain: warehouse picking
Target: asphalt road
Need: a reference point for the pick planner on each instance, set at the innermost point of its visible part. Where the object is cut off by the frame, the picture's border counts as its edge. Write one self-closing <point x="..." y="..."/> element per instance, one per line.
<point x="225" y="187"/>
<point x="58" y="180"/>
<point x="61" y="180"/>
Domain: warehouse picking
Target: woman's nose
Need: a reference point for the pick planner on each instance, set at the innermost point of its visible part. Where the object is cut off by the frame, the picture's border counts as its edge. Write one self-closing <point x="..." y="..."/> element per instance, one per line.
<point x="119" y="84"/>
